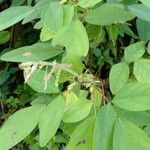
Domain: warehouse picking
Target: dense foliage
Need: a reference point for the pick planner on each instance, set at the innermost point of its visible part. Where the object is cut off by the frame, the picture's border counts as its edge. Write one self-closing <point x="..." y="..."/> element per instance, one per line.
<point x="75" y="74"/>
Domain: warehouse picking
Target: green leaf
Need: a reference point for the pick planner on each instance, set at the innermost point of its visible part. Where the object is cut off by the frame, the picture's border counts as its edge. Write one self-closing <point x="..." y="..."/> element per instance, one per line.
<point x="87" y="3"/>
<point x="147" y="130"/>
<point x="128" y="136"/>
<point x="77" y="47"/>
<point x="4" y="75"/>
<point x="81" y="138"/>
<point x="68" y="13"/>
<point x="77" y="108"/>
<point x="68" y="128"/>
<point x="46" y="34"/>
<point x="32" y="16"/>
<point x="96" y="96"/>
<point x="17" y="2"/>
<point x="36" y="52"/>
<point x="143" y="29"/>
<point x="140" y="118"/>
<point x="52" y="16"/>
<point x="79" y="44"/>
<point x="141" y="11"/>
<point x="19" y="125"/>
<point x="113" y="33"/>
<point x="4" y="37"/>
<point x="119" y="74"/>
<point x="142" y="70"/>
<point x="50" y="120"/>
<point x="37" y="83"/>
<point x="13" y="15"/>
<point x="107" y="14"/>
<point x="146" y="2"/>
<point x="134" y="52"/>
<point x="42" y="99"/>
<point x="103" y="130"/>
<point x="134" y="96"/>
<point x="126" y="29"/>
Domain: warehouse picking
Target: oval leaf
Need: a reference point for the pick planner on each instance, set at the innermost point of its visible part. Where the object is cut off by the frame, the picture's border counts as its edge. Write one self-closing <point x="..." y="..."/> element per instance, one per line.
<point x="118" y="76"/>
<point x="52" y="16"/>
<point x="143" y="28"/>
<point x="47" y="124"/>
<point x="77" y="47"/>
<point x="36" y="52"/>
<point x="142" y="70"/>
<point x="134" y="51"/>
<point x="19" y="125"/>
<point x="128" y="136"/>
<point x="13" y="15"/>
<point x="134" y="96"/>
<point x="81" y="138"/>
<point x="108" y="14"/>
<point x="141" y="11"/>
<point x="103" y="129"/>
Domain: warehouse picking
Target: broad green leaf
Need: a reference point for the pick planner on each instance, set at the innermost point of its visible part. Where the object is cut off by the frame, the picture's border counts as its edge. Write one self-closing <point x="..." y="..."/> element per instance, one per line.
<point x="134" y="96"/>
<point x="4" y="37"/>
<point x="50" y="120"/>
<point x="119" y="74"/>
<point x="81" y="138"/>
<point x="128" y="136"/>
<point x="19" y="125"/>
<point x="134" y="52"/>
<point x="36" y="52"/>
<point x="78" y="44"/>
<point x="87" y="3"/>
<point x="37" y="83"/>
<point x="146" y="2"/>
<point x="140" y="118"/>
<point x="68" y="13"/>
<point x="103" y="129"/>
<point x="77" y="47"/>
<point x="13" y="15"/>
<point x="107" y="14"/>
<point x="141" y="11"/>
<point x="52" y="16"/>
<point x="77" y="108"/>
<point x="143" y="28"/>
<point x="142" y="70"/>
